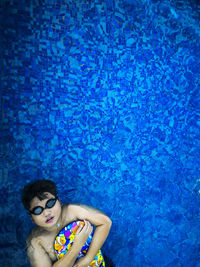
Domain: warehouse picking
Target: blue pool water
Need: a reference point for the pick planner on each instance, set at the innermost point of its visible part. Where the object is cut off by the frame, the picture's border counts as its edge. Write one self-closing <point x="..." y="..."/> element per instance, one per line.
<point x="103" y="98"/>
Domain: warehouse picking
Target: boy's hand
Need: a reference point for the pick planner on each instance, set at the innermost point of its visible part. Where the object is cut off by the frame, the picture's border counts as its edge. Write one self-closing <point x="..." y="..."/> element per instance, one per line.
<point x="82" y="262"/>
<point x="83" y="233"/>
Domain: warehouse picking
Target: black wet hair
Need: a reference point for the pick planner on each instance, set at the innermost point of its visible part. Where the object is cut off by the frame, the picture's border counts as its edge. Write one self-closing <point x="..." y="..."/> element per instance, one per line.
<point x="37" y="188"/>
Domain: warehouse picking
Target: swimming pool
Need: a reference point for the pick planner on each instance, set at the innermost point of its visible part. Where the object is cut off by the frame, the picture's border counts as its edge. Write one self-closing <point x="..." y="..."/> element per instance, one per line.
<point x="103" y="98"/>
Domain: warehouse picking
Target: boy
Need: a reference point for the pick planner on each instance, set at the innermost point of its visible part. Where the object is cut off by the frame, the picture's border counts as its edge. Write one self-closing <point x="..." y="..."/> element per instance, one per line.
<point x="50" y="216"/>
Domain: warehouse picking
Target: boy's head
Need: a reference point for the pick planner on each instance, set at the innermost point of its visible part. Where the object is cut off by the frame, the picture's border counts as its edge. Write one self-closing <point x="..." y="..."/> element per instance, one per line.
<point x="37" y="189"/>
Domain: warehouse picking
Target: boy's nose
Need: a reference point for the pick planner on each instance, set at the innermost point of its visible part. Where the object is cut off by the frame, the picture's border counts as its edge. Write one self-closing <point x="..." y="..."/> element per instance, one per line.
<point x="47" y="212"/>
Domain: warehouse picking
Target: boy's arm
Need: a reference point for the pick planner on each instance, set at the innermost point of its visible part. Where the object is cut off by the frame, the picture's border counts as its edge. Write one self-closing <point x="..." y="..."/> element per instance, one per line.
<point x="38" y="257"/>
<point x="96" y="218"/>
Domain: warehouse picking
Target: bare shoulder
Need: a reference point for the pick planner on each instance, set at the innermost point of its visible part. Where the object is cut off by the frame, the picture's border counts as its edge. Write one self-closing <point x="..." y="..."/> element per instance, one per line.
<point x="35" y="234"/>
<point x="33" y="241"/>
<point x="68" y="213"/>
<point x="85" y="212"/>
<point x="71" y="210"/>
<point x="36" y="253"/>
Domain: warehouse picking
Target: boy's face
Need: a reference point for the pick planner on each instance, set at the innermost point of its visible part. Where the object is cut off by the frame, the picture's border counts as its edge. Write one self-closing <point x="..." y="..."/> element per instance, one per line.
<point x="49" y="216"/>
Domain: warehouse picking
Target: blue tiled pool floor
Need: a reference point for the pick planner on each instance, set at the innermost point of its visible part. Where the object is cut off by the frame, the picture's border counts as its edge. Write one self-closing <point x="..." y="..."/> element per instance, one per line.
<point x="103" y="98"/>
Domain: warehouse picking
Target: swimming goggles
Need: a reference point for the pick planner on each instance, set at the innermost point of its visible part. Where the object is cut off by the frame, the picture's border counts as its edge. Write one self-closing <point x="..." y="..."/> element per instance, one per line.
<point x="49" y="204"/>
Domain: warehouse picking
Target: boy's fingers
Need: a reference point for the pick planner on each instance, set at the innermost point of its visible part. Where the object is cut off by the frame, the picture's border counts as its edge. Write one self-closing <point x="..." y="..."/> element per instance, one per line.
<point x="86" y="225"/>
<point x="91" y="229"/>
<point x="79" y="229"/>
